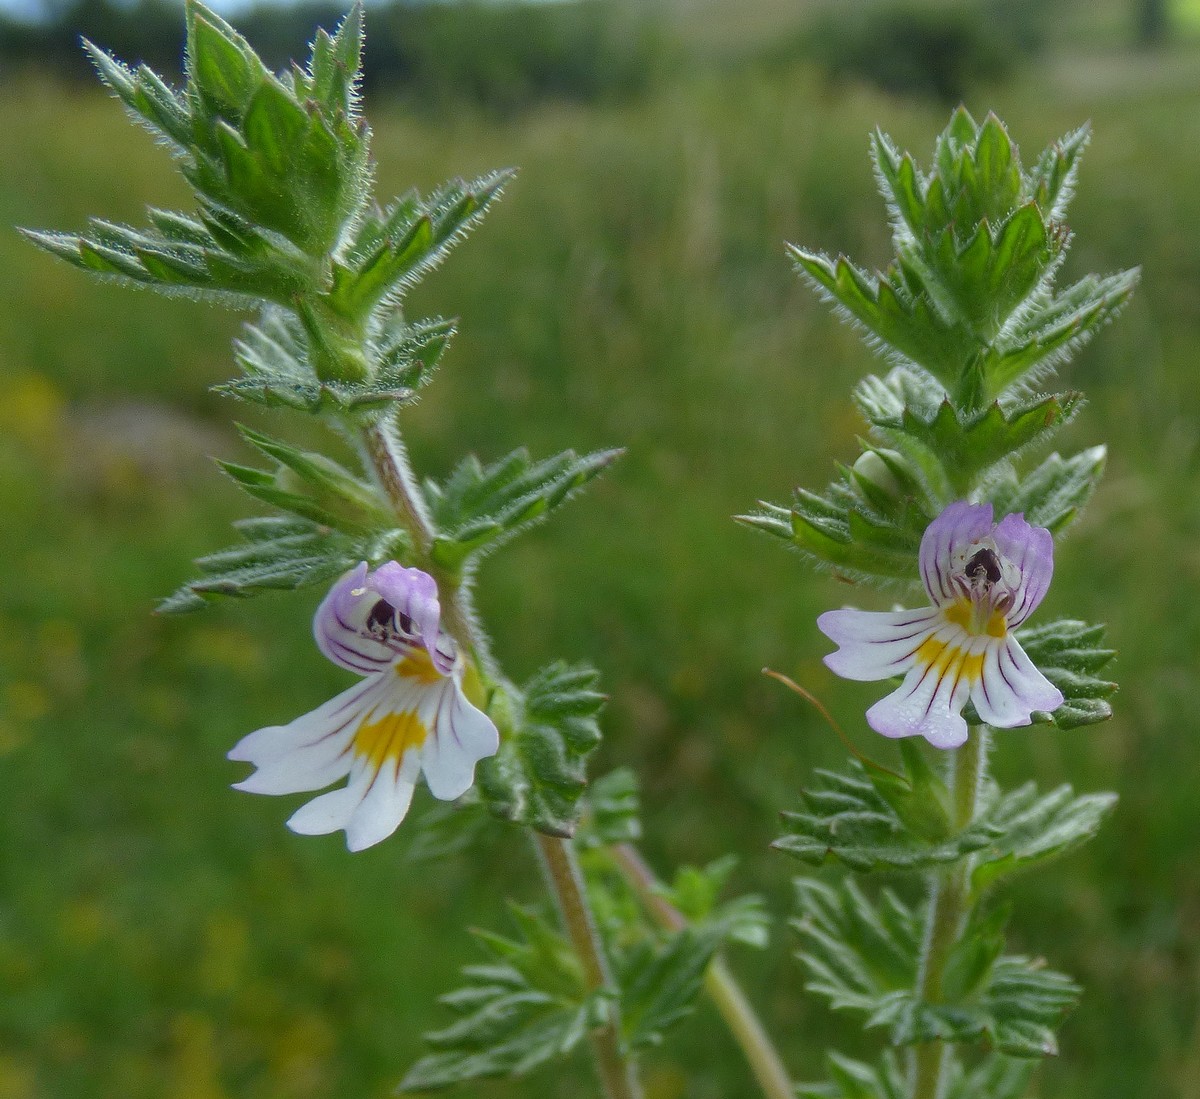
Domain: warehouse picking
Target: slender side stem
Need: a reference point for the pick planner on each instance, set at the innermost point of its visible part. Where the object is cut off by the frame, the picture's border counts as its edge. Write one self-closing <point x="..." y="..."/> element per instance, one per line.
<point x="562" y="872"/>
<point x="390" y="463"/>
<point x="387" y="458"/>
<point x="720" y="984"/>
<point x="949" y="907"/>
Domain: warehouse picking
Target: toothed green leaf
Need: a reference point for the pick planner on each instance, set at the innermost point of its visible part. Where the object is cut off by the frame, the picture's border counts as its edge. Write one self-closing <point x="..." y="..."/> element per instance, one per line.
<point x="864" y="956"/>
<point x="539" y="775"/>
<point x="527" y="1006"/>
<point x="479" y="508"/>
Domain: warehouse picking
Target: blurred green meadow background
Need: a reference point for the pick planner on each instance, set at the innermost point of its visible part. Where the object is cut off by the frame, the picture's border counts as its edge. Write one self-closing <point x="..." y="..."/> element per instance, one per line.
<point x="162" y="935"/>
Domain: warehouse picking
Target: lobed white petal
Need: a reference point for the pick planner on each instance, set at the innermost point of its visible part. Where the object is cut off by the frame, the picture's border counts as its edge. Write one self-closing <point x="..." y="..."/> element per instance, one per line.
<point x="876" y="644"/>
<point x="928" y="703"/>
<point x="310" y="752"/>
<point x="369" y="808"/>
<point x="1011" y="687"/>
<point x="462" y="735"/>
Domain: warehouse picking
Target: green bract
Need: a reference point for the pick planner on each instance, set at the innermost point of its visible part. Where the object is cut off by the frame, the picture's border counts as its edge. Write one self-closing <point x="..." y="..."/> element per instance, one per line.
<point x="969" y="316"/>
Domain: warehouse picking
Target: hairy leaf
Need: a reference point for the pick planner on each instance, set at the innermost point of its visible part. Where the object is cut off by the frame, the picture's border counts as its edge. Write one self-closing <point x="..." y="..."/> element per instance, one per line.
<point x="864" y="957"/>
<point x="538" y="776"/>
<point x="612" y="811"/>
<point x="904" y="405"/>
<point x="855" y="1080"/>
<point x="527" y="1006"/>
<point x="1071" y="654"/>
<point x="848" y="818"/>
<point x="660" y="983"/>
<point x="1035" y="828"/>
<point x="978" y="239"/>
<point x="280" y="553"/>
<point x="1053" y="494"/>
<point x="848" y="528"/>
<point x="896" y="309"/>
<point x="480" y="507"/>
<point x="394" y="248"/>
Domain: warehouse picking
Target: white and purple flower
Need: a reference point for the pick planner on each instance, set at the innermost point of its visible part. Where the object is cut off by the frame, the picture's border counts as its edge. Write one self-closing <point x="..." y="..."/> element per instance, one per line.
<point x="408" y="716"/>
<point x="984" y="579"/>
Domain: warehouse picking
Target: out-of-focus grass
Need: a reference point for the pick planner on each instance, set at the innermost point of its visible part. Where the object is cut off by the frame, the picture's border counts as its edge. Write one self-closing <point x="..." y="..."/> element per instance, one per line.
<point x="162" y="935"/>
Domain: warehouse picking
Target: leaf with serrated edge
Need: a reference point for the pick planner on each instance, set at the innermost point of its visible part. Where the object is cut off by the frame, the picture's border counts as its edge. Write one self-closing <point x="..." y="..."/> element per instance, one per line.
<point x="538" y="776"/>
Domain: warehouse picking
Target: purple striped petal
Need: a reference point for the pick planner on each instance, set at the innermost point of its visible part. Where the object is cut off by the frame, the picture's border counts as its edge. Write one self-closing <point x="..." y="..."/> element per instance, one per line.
<point x="340" y="625"/>
<point x="1031" y="551"/>
<point x="414" y="594"/>
<point x="944" y="546"/>
<point x="928" y="703"/>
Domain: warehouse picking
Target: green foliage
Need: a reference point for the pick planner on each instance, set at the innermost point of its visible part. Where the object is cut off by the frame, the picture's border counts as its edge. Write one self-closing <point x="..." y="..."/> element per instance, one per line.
<point x="695" y="891"/>
<point x="280" y="552"/>
<point x="996" y="1076"/>
<point x="333" y="520"/>
<point x="612" y="811"/>
<point x="278" y="370"/>
<point x="312" y="486"/>
<point x="871" y="821"/>
<point x="907" y="409"/>
<point x="480" y="507"/>
<point x="528" y="1005"/>
<point x="1053" y="494"/>
<point x="281" y="170"/>
<point x="660" y="980"/>
<point x="1036" y="828"/>
<point x="538" y="776"/>
<point x="864" y="957"/>
<point x="874" y="820"/>
<point x="279" y="165"/>
<point x="856" y="1080"/>
<point x="846" y="530"/>
<point x="1070" y="654"/>
<point x="391" y="249"/>
<point x="969" y="297"/>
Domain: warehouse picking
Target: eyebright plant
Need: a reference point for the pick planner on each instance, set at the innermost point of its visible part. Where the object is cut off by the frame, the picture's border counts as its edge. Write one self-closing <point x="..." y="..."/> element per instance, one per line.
<point x="285" y="225"/>
<point x="945" y="497"/>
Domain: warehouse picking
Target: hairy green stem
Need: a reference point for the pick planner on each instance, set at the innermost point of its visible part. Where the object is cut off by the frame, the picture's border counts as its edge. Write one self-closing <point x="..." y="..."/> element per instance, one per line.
<point x="562" y="872"/>
<point x="720" y="984"/>
<point x="385" y="453"/>
<point x="949" y="909"/>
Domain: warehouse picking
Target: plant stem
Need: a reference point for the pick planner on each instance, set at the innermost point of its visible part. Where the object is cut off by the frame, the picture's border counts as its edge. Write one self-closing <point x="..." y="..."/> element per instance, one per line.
<point x="387" y="458"/>
<point x="719" y="982"/>
<point x="562" y="872"/>
<point x="949" y="908"/>
<point x="386" y="455"/>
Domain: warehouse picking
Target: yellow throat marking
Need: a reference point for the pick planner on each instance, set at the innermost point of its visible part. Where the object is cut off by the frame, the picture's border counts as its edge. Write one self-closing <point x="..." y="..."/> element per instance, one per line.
<point x="418" y="665"/>
<point x="962" y="613"/>
<point x="944" y="658"/>
<point x="387" y="739"/>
